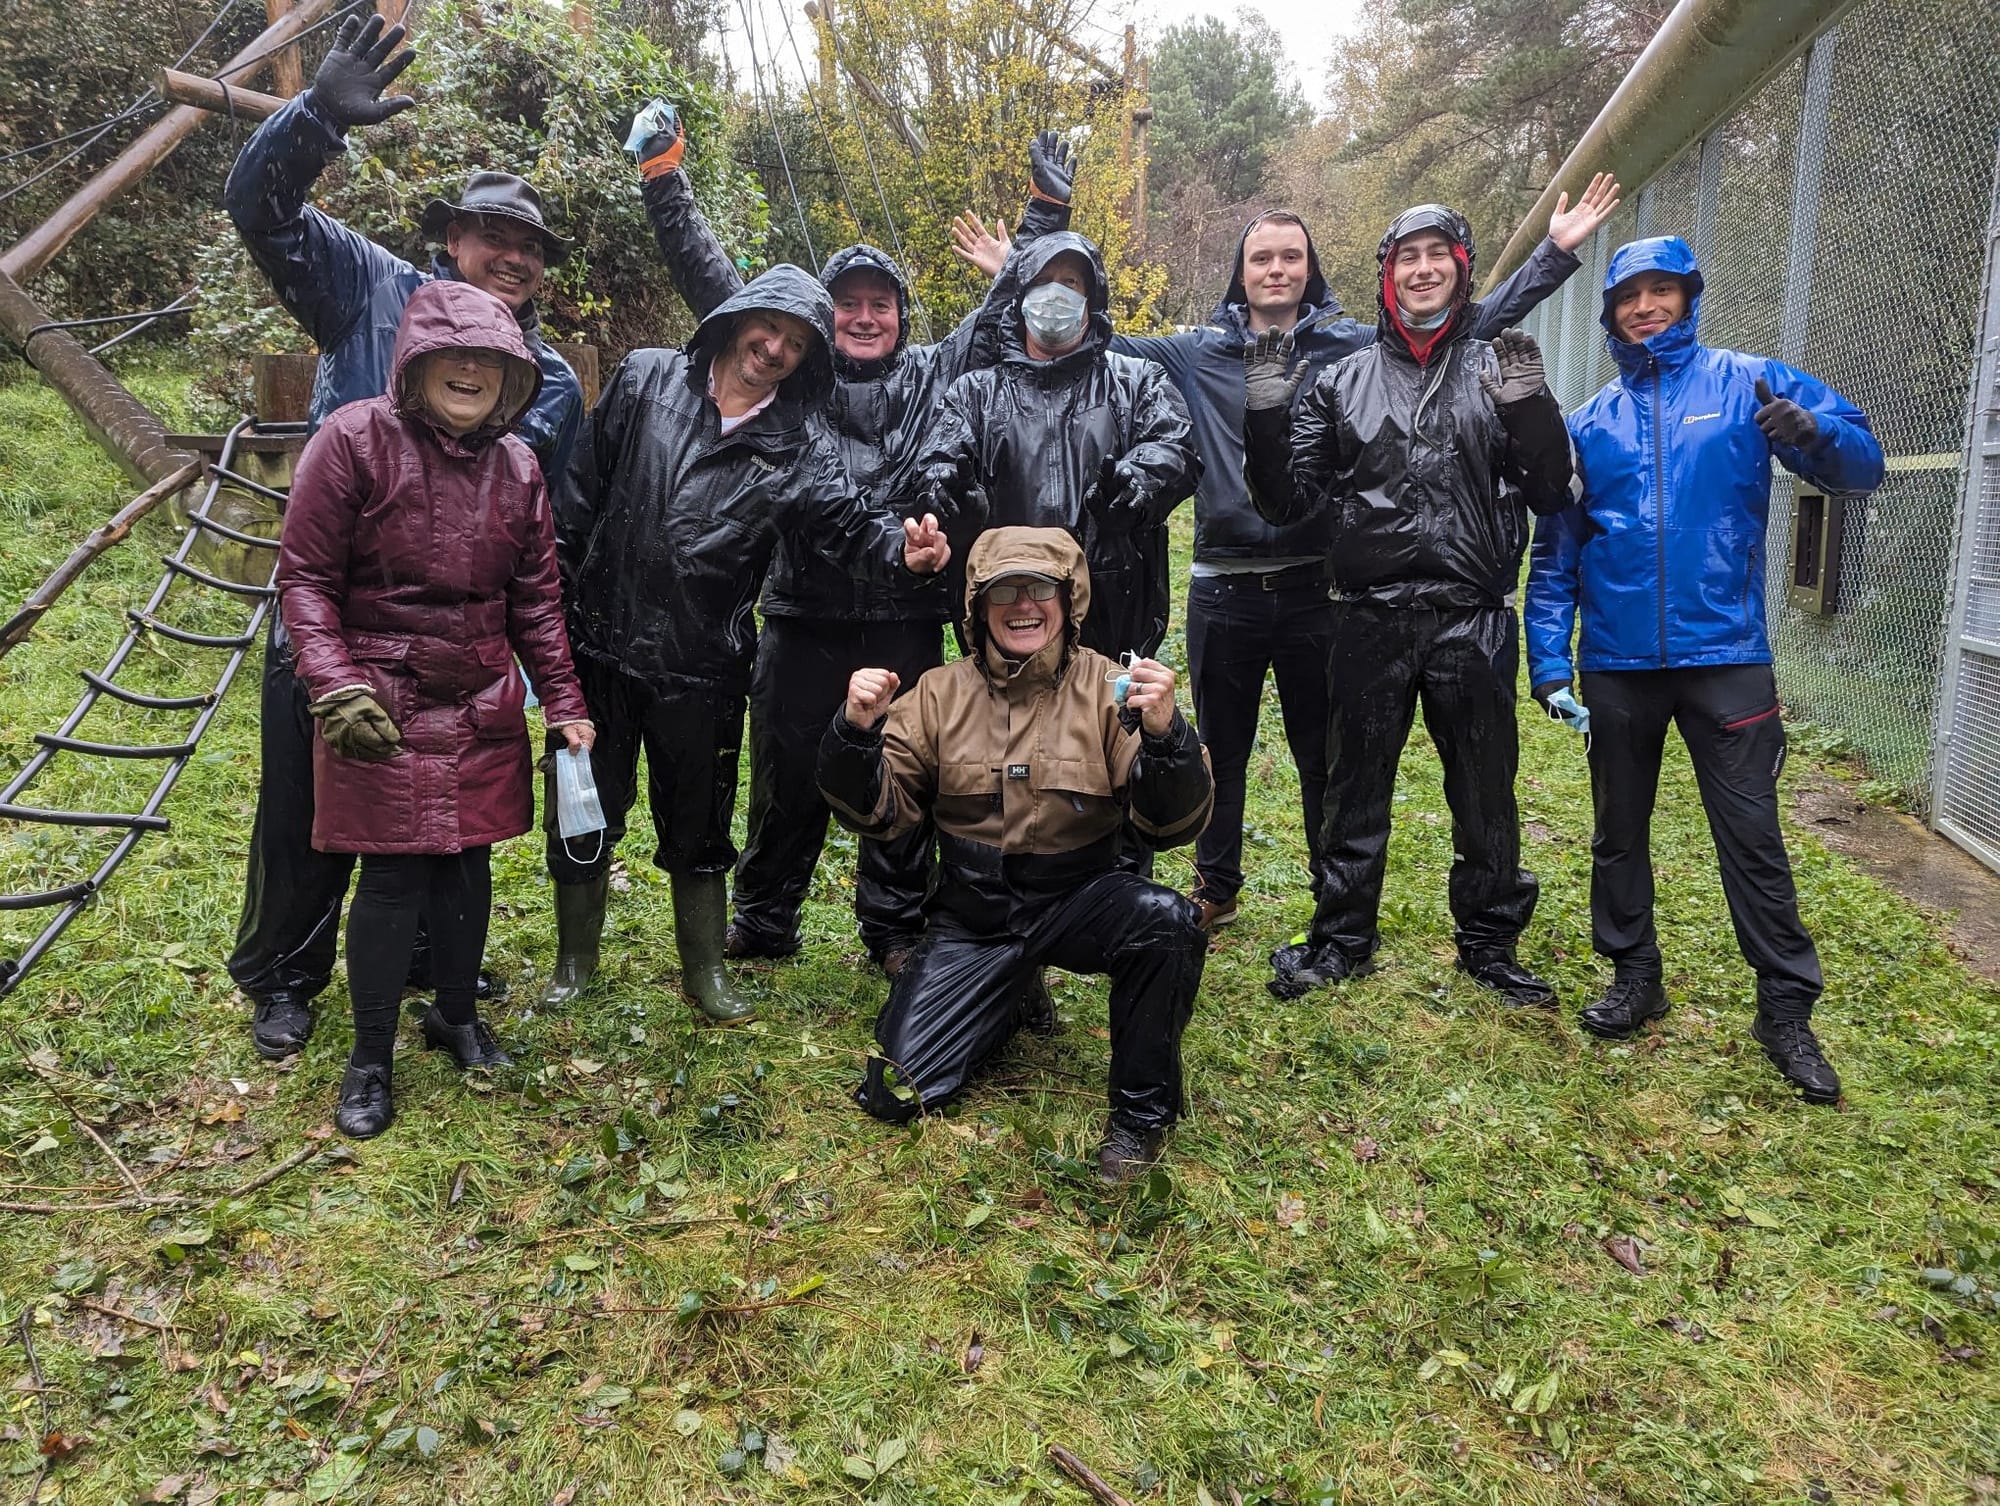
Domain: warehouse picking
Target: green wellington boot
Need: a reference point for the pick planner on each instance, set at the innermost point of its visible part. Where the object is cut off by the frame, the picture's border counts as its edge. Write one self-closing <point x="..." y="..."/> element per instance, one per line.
<point x="579" y="927"/>
<point x="700" y="903"/>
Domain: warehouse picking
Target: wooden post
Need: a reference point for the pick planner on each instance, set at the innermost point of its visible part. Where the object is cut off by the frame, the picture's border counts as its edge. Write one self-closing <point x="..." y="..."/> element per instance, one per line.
<point x="1142" y="116"/>
<point x="38" y="247"/>
<point x="210" y="94"/>
<point x="582" y="360"/>
<point x="281" y="386"/>
<point x="391" y="11"/>
<point x="829" y="75"/>
<point x="288" y="74"/>
<point x="1127" y="80"/>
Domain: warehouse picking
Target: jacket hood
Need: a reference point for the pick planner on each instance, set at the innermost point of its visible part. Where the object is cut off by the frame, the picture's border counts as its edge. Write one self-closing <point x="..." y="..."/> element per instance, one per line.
<point x="1032" y="260"/>
<point x="1000" y="552"/>
<point x="1457" y="231"/>
<point x="784" y="289"/>
<point x="1659" y="253"/>
<point x="866" y="258"/>
<point x="1314" y="297"/>
<point x="457" y="316"/>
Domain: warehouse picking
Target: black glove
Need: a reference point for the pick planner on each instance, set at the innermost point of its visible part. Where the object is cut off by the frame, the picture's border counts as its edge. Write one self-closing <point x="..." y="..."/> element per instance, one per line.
<point x="1051" y="167"/>
<point x="1269" y="375"/>
<point x="347" y="90"/>
<point x="1516" y="373"/>
<point x="1542" y="692"/>
<point x="1784" y="421"/>
<point x="1122" y="493"/>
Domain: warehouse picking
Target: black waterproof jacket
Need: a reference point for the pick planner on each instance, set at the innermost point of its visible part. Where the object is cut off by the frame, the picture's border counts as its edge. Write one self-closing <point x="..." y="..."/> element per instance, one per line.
<point x="1429" y="486"/>
<point x="666" y="527"/>
<point x="1035" y="436"/>
<point x="876" y="416"/>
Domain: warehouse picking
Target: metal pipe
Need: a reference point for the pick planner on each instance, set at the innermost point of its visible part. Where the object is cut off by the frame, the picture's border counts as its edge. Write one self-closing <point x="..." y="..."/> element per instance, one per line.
<point x="1706" y="59"/>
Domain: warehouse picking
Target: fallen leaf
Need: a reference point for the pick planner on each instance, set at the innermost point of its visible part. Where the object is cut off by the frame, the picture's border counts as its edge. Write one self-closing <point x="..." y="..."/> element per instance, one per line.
<point x="563" y="1497"/>
<point x="1291" y="1211"/>
<point x="58" y="1445"/>
<point x="687" y="1422"/>
<point x="168" y="1488"/>
<point x="1366" y="1149"/>
<point x="975" y="1356"/>
<point x="1624" y="1249"/>
<point x="779" y="1455"/>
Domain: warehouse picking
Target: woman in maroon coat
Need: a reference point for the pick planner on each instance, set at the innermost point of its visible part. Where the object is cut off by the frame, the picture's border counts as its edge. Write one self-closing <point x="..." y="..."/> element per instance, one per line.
<point x="418" y="559"/>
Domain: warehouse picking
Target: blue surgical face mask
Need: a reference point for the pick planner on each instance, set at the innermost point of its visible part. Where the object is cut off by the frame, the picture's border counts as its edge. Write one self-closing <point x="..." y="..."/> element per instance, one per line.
<point x="1054" y="315"/>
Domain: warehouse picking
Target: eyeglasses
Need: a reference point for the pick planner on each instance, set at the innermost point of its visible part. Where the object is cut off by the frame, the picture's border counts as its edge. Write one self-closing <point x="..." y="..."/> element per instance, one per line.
<point x="1004" y="595"/>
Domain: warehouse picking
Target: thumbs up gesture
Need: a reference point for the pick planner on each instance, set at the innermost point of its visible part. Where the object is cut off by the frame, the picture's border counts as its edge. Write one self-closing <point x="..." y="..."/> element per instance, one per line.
<point x="1784" y="421"/>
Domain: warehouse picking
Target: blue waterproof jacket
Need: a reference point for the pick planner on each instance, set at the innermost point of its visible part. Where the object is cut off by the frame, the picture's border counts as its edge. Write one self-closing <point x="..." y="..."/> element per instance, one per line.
<point x="347" y="292"/>
<point x="1663" y="554"/>
<point x="1207" y="366"/>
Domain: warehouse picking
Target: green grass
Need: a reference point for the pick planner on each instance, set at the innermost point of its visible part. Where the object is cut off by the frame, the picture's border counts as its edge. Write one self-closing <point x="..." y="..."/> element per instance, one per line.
<point x="1371" y="1271"/>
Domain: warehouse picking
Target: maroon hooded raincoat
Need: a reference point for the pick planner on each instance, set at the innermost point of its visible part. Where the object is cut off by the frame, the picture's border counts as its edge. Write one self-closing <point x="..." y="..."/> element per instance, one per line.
<point x="418" y="565"/>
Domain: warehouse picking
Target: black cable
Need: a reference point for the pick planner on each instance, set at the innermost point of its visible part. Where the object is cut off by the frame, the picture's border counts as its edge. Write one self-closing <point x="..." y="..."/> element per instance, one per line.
<point x="771" y="115"/>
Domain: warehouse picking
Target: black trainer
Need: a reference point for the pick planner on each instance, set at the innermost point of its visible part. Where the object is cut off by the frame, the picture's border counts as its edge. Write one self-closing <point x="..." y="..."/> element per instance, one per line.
<point x="1795" y="1051"/>
<point x="739" y="945"/>
<point x="1499" y="971"/>
<point x="1128" y="1152"/>
<point x="366" y="1104"/>
<point x="470" y="1045"/>
<point x="280" y="1026"/>
<point x="1301" y="967"/>
<point x="1625" y="1008"/>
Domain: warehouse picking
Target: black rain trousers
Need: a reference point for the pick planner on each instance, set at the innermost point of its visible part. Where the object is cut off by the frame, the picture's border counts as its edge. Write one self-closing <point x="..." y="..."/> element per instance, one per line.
<point x="1461" y="662"/>
<point x="958" y="1000"/>
<point x="799" y="683"/>
<point x="1729" y="717"/>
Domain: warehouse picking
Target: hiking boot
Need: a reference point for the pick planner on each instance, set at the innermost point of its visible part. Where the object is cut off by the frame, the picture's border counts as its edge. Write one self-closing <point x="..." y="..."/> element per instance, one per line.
<point x="1038" y="1007"/>
<point x="1305" y="965"/>
<point x="892" y="961"/>
<point x="1625" y="1008"/>
<point x="366" y="1104"/>
<point x="280" y="1026"/>
<point x="1215" y="914"/>
<point x="579" y="930"/>
<point x="1795" y="1051"/>
<point x="742" y="945"/>
<point x="1517" y="987"/>
<point x="470" y="1045"/>
<point x="700" y="901"/>
<point x="1128" y="1152"/>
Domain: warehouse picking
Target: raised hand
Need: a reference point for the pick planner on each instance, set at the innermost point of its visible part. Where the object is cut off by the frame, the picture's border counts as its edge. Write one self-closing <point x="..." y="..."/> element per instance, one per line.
<point x="869" y="692"/>
<point x="1516" y="372"/>
<point x="657" y="139"/>
<point x="1151" y="695"/>
<point x="926" y="551"/>
<point x="972" y="241"/>
<point x="1269" y="376"/>
<point x="1570" y="228"/>
<point x="347" y="90"/>
<point x="1782" y="420"/>
<point x="1051" y="167"/>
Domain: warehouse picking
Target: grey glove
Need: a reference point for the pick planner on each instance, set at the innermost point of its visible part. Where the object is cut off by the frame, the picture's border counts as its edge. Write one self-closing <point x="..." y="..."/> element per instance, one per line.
<point x="1269" y="377"/>
<point x="1051" y="166"/>
<point x="1517" y="370"/>
<point x="347" y="90"/>
<point x="1784" y="421"/>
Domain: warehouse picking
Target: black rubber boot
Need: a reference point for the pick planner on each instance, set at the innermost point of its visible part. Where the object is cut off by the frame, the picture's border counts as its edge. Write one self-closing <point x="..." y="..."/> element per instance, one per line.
<point x="367" y="1106"/>
<point x="1516" y="986"/>
<point x="1305" y="965"/>
<point x="700" y="902"/>
<point x="1628" y="1004"/>
<point x="1128" y="1152"/>
<point x="579" y="929"/>
<point x="280" y="1026"/>
<point x="470" y="1045"/>
<point x="1038" y="1007"/>
<point x="1795" y="1051"/>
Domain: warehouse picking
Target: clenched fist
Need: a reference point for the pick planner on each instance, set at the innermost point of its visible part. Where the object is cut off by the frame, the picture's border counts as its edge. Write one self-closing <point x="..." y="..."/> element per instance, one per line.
<point x="869" y="692"/>
<point x="1151" y="695"/>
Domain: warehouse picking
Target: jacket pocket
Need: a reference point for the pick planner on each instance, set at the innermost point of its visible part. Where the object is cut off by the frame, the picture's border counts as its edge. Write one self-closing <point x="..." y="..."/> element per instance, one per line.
<point x="499" y="712"/>
<point x="1072" y="776"/>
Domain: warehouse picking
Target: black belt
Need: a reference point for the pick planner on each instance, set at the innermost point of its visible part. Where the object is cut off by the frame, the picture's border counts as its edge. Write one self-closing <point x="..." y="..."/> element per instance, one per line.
<point x="1312" y="573"/>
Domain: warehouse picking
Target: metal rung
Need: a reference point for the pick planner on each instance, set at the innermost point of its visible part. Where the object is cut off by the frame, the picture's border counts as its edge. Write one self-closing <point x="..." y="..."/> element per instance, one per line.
<point x="198" y="640"/>
<point x="80" y="890"/>
<point x="234" y="587"/>
<point x="116" y="820"/>
<point x="113" y="750"/>
<point x="203" y="520"/>
<point x="151" y="702"/>
<point x="255" y="488"/>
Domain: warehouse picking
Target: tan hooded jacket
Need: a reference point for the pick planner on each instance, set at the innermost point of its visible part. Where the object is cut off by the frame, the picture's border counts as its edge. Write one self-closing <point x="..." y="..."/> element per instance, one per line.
<point x="1029" y="758"/>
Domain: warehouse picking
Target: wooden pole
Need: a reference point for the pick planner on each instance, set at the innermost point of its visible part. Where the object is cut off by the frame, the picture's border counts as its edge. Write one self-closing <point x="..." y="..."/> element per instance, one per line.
<point x="906" y="132"/>
<point x="38" y="247"/>
<point x="1128" y="81"/>
<point x="1142" y="116"/>
<point x="211" y="94"/>
<point x="829" y="78"/>
<point x="288" y="74"/>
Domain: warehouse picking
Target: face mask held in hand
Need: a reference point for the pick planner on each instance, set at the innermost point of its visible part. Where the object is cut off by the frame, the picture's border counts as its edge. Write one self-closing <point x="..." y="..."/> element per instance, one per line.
<point x="1054" y="315"/>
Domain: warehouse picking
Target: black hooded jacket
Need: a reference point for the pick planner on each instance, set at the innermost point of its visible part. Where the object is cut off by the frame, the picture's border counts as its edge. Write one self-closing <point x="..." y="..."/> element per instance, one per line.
<point x="1426" y="483"/>
<point x="1035" y="436"/>
<point x="877" y="414"/>
<point x="666" y="527"/>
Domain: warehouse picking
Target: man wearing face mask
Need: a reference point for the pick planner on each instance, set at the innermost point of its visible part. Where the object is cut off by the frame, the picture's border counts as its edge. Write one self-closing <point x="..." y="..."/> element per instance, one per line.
<point x="821" y="622"/>
<point x="1062" y="433"/>
<point x="1430" y="448"/>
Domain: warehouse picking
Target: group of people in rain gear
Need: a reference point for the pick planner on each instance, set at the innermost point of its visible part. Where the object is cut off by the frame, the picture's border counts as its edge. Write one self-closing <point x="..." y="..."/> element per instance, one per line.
<point x="1363" y="497"/>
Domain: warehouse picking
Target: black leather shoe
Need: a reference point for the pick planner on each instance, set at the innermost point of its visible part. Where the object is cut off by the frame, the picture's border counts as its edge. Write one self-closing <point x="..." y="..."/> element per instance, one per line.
<point x="489" y="988"/>
<point x="470" y="1045"/>
<point x="1794" y="1050"/>
<point x="739" y="945"/>
<point x="1305" y="965"/>
<point x="280" y="1026"/>
<point x="1625" y="1008"/>
<point x="1516" y="986"/>
<point x="1127" y="1152"/>
<point x="1038" y="1008"/>
<point x="366" y="1105"/>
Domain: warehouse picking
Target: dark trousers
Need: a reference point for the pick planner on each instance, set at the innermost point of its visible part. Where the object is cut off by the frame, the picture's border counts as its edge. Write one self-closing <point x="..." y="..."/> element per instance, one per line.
<point x="1461" y="663"/>
<point x="450" y="892"/>
<point x="799" y="683"/>
<point x="1728" y="716"/>
<point x="692" y="738"/>
<point x="1239" y="627"/>
<point x="958" y="999"/>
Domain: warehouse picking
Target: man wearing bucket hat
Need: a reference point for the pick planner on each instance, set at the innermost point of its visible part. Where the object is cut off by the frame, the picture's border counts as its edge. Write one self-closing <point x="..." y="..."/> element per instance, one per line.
<point x="349" y="294"/>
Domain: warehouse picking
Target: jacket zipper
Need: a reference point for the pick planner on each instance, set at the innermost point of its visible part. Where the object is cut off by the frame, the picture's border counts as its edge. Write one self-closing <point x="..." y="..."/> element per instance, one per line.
<point x="1660" y="504"/>
<point x="1749" y="575"/>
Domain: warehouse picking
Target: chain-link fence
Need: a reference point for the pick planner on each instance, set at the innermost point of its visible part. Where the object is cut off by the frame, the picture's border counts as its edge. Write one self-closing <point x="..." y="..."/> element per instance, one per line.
<point x="1840" y="220"/>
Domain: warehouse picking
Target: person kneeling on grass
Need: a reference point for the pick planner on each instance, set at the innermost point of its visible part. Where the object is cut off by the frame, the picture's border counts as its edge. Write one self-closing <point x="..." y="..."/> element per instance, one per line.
<point x="419" y="558"/>
<point x="1030" y="755"/>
